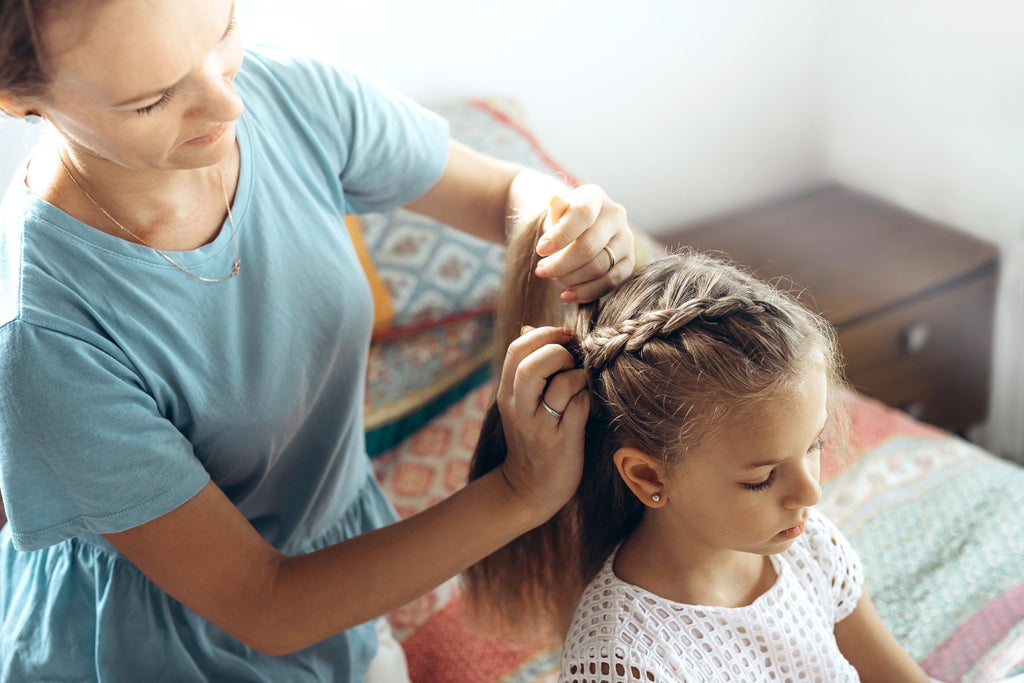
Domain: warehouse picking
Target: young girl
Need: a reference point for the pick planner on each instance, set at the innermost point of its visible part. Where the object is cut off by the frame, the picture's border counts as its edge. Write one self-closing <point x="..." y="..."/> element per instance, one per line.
<point x="694" y="529"/>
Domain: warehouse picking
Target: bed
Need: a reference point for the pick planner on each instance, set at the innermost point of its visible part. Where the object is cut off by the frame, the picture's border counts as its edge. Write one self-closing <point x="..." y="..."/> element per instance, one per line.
<point x="938" y="522"/>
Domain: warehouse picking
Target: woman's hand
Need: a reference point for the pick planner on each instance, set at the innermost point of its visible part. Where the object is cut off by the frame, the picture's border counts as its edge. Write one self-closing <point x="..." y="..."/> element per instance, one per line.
<point x="587" y="245"/>
<point x="544" y="403"/>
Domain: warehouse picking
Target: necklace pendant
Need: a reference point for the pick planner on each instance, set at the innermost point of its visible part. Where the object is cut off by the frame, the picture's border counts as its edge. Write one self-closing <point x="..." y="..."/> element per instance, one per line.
<point x="235" y="267"/>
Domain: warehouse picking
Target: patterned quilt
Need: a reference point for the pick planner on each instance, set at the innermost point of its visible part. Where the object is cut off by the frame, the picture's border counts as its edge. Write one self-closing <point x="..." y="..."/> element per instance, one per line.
<point x="938" y="522"/>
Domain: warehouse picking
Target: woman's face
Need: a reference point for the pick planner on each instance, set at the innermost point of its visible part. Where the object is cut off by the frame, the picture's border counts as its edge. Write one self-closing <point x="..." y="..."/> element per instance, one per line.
<point x="145" y="84"/>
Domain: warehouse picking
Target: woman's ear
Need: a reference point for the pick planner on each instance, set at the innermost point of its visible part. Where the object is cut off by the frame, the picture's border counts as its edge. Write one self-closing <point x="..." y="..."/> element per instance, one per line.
<point x="15" y="106"/>
<point x="643" y="473"/>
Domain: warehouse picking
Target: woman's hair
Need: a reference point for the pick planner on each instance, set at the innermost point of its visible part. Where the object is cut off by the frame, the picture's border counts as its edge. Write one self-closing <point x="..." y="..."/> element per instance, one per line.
<point x="688" y="343"/>
<point x="24" y="61"/>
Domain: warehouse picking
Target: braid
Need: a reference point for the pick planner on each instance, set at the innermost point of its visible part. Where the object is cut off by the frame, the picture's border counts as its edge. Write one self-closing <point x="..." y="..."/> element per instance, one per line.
<point x="605" y="343"/>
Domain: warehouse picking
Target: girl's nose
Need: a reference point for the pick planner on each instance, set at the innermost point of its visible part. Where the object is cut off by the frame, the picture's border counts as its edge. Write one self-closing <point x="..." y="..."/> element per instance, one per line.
<point x="804" y="490"/>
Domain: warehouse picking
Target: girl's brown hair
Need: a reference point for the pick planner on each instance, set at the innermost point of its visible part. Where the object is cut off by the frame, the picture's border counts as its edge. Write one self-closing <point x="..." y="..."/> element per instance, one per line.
<point x="684" y="345"/>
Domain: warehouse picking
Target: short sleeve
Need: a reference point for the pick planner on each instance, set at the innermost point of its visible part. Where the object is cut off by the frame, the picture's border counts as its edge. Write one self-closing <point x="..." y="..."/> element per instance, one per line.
<point x="83" y="447"/>
<point x="397" y="149"/>
<point x="385" y="149"/>
<point x="839" y="561"/>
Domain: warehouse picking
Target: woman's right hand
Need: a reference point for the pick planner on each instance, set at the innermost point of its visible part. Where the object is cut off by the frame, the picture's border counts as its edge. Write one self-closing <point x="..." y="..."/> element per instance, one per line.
<point x="545" y="451"/>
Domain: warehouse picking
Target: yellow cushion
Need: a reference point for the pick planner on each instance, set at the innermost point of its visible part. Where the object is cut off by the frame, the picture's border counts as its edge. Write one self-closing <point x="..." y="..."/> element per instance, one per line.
<point x="383" y="307"/>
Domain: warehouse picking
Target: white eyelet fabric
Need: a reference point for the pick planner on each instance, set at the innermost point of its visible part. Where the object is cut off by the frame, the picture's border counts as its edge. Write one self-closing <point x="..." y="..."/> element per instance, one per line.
<point x="621" y="632"/>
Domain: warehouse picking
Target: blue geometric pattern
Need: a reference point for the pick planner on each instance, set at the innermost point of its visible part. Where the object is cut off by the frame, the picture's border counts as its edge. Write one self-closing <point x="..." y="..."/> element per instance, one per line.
<point x="939" y="525"/>
<point x="430" y="269"/>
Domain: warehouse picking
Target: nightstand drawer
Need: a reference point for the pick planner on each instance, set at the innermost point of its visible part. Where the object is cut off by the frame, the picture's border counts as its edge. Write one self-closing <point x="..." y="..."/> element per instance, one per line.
<point x="912" y="299"/>
<point x="930" y="356"/>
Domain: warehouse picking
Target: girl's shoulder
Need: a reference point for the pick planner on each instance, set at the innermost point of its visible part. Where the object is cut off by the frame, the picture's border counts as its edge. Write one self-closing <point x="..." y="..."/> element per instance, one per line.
<point x="826" y="566"/>
<point x="604" y="598"/>
<point x="611" y="631"/>
<point x="824" y="540"/>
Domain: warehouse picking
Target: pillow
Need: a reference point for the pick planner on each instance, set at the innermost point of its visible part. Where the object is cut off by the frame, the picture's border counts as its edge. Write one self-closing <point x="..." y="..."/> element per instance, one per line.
<point x="433" y="334"/>
<point x="383" y="309"/>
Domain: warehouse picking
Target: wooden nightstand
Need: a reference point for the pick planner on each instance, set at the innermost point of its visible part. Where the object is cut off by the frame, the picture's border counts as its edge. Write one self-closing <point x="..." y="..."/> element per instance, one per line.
<point x="912" y="300"/>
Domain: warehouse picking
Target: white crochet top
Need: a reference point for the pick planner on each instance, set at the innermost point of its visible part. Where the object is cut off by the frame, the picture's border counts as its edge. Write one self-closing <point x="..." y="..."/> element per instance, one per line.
<point x="621" y="632"/>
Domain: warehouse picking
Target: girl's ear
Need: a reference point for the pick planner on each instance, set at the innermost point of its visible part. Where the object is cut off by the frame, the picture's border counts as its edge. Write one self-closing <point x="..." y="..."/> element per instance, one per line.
<point x="643" y="473"/>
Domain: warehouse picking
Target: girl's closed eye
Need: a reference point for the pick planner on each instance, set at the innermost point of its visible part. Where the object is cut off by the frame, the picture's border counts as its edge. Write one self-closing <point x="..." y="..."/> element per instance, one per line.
<point x="761" y="485"/>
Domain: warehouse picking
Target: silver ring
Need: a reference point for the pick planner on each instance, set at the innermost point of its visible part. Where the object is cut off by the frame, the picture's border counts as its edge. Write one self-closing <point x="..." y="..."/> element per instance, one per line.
<point x="611" y="254"/>
<point x="551" y="411"/>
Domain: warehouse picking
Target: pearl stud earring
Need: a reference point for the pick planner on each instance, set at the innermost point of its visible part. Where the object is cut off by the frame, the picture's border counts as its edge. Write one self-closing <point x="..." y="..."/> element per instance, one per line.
<point x="656" y="497"/>
<point x="33" y="119"/>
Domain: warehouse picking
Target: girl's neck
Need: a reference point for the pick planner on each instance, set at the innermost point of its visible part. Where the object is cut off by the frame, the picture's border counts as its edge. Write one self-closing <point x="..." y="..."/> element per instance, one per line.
<point x="690" y="573"/>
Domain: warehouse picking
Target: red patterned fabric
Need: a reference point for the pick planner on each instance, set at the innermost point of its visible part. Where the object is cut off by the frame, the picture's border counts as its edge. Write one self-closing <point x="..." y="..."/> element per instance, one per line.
<point x="447" y="648"/>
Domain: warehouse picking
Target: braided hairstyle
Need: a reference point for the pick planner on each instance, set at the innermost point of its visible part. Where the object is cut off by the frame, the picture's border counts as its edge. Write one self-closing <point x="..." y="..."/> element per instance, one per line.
<point x="686" y="345"/>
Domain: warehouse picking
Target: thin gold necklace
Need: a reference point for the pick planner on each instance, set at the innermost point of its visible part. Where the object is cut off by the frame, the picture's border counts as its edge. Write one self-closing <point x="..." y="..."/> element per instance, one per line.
<point x="236" y="265"/>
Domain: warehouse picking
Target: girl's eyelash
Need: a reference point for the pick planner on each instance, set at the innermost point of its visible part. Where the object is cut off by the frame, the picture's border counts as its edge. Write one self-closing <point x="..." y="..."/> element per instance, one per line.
<point x="159" y="104"/>
<point x="761" y="485"/>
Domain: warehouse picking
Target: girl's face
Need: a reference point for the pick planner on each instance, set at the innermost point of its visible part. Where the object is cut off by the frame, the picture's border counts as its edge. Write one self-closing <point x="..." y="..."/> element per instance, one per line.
<point x="749" y="489"/>
<point x="145" y="84"/>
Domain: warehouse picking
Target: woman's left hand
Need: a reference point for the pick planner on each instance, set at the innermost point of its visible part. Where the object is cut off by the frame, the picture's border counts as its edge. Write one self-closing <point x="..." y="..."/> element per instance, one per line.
<point x="587" y="245"/>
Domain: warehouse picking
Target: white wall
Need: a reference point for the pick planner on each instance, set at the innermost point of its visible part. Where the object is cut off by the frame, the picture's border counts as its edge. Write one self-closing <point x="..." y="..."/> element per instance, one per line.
<point x="678" y="108"/>
<point x="924" y="106"/>
<point x="16" y="139"/>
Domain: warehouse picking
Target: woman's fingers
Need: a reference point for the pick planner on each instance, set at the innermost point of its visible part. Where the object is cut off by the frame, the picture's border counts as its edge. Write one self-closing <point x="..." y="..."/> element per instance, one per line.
<point x="537" y="370"/>
<point x="544" y="404"/>
<point x="587" y="245"/>
<point x="611" y="266"/>
<point x="569" y="217"/>
<point x="561" y="389"/>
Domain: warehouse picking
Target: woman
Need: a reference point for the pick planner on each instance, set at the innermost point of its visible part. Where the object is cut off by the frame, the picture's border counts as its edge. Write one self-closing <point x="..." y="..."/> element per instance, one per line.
<point x="183" y="329"/>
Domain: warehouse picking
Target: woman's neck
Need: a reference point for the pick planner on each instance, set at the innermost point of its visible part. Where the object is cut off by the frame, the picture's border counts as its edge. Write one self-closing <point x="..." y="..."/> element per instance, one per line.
<point x="169" y="210"/>
<point x="690" y="573"/>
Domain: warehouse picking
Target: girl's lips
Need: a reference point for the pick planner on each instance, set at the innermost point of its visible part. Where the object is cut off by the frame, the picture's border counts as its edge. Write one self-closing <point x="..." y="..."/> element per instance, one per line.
<point x="793" y="532"/>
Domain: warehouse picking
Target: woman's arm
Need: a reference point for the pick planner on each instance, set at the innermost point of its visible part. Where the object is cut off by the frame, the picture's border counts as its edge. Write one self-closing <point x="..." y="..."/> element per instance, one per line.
<point x="206" y="554"/>
<point x="492" y="199"/>
<point x="872" y="650"/>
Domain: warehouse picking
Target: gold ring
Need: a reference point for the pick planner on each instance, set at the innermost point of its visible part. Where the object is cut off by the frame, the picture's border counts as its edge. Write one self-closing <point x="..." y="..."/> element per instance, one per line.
<point x="551" y="411"/>
<point x="611" y="254"/>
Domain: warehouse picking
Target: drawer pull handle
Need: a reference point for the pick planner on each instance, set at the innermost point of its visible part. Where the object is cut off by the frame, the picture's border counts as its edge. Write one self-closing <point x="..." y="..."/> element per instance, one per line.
<point x="914" y="338"/>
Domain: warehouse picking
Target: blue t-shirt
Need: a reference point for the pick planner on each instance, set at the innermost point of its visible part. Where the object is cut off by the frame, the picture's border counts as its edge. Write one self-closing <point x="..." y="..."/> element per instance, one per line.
<point x="126" y="385"/>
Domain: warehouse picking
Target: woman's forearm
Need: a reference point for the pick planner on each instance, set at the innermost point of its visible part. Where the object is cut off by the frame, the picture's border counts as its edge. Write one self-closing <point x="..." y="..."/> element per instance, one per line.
<point x="377" y="572"/>
<point x="207" y="555"/>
